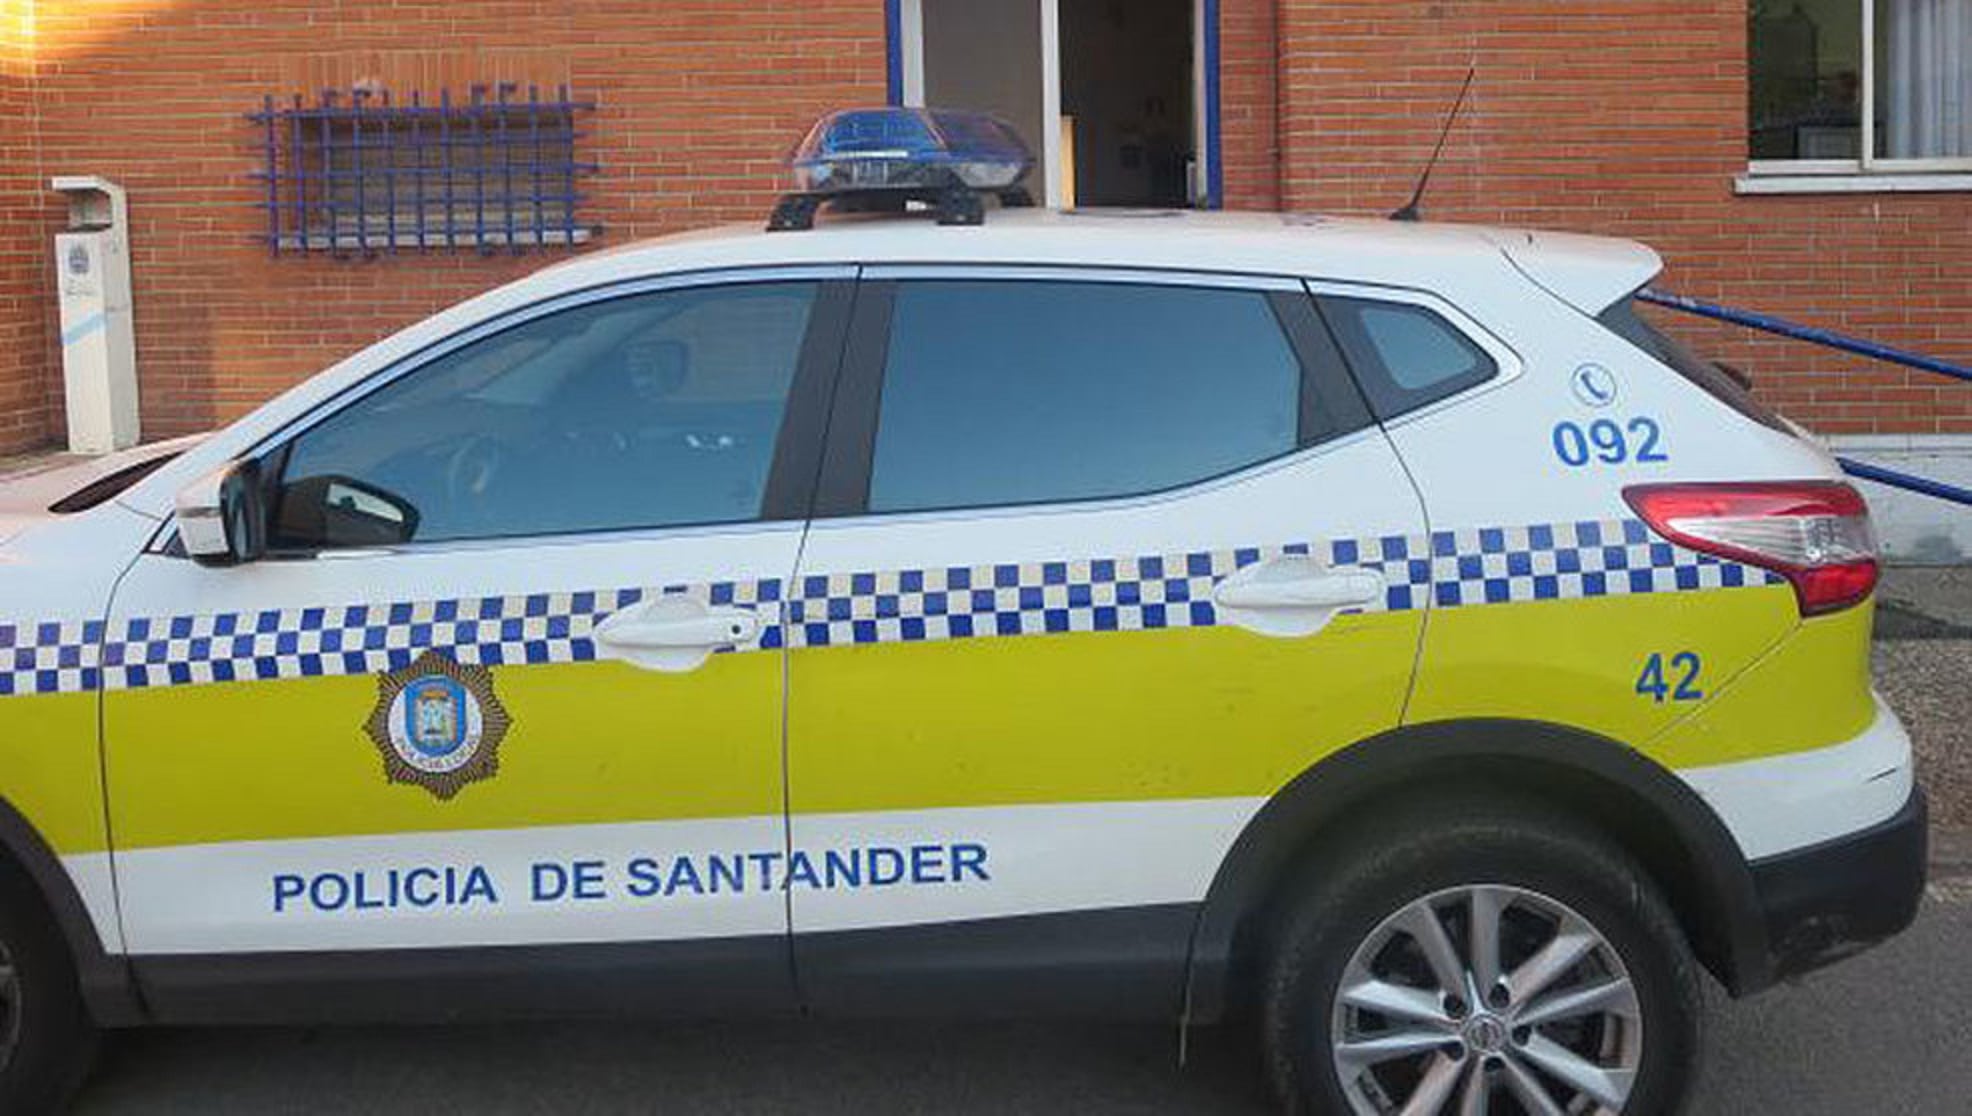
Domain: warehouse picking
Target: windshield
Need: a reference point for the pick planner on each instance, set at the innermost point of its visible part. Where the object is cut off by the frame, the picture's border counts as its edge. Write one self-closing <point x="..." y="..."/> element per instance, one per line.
<point x="1623" y="320"/>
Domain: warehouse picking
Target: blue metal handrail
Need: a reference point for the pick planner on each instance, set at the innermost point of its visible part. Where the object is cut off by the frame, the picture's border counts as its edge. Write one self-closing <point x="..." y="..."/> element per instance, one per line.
<point x="1895" y="478"/>
<point x="1813" y="335"/>
<point x="1898" y="479"/>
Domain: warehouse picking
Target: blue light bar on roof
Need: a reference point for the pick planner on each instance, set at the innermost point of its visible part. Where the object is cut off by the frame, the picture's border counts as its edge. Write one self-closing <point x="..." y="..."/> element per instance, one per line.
<point x="861" y="149"/>
<point x="883" y="158"/>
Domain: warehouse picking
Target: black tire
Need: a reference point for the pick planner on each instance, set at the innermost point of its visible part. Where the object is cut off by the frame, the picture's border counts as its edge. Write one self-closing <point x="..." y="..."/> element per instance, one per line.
<point x="54" y="1040"/>
<point x="1397" y="857"/>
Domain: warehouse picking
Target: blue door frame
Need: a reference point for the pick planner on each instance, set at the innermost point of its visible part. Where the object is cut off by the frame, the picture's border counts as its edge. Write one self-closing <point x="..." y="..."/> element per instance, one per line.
<point x="893" y="49"/>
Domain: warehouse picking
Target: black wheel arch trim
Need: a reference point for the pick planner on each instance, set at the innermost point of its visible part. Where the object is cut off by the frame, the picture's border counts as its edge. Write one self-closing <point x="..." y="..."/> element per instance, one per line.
<point x="106" y="984"/>
<point x="1698" y="863"/>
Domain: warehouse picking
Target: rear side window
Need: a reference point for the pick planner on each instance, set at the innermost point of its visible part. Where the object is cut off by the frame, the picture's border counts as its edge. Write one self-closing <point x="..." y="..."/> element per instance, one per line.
<point x="1623" y="320"/>
<point x="1404" y="356"/>
<point x="1014" y="392"/>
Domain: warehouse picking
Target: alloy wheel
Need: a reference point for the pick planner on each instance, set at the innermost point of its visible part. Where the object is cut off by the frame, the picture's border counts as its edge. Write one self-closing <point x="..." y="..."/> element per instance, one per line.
<point x="1486" y="999"/>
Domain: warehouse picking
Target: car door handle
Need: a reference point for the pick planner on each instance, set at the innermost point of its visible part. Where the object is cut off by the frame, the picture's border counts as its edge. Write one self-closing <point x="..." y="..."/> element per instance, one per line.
<point x="674" y="633"/>
<point x="1341" y="589"/>
<point x="1293" y="595"/>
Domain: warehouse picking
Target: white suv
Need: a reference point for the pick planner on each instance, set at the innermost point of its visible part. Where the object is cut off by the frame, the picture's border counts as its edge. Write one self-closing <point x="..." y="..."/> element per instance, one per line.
<point x="1375" y="629"/>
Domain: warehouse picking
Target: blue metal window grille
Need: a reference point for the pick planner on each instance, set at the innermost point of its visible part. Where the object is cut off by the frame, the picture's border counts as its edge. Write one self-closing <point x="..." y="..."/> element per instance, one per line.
<point x="356" y="172"/>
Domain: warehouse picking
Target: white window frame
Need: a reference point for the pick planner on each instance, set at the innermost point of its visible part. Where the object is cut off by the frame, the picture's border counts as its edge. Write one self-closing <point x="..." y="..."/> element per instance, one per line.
<point x="1870" y="173"/>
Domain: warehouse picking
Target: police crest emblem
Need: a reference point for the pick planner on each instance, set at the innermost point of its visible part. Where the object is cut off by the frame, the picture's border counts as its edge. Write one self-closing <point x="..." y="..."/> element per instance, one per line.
<point x="438" y="724"/>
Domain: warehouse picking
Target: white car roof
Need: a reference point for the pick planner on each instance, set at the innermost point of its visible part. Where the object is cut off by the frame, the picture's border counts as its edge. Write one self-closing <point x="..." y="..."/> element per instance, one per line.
<point x="1466" y="264"/>
<point x="1586" y="270"/>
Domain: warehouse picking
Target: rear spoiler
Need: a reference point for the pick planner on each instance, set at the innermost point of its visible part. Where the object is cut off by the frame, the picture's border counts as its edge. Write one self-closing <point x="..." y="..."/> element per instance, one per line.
<point x="1590" y="273"/>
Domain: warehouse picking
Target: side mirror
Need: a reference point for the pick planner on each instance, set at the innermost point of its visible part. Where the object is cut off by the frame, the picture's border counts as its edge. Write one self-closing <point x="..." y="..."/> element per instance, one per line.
<point x="335" y="511"/>
<point x="222" y="520"/>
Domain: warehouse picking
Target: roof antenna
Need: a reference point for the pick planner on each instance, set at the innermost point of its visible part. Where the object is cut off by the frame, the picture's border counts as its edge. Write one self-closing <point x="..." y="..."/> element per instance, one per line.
<point x="1410" y="211"/>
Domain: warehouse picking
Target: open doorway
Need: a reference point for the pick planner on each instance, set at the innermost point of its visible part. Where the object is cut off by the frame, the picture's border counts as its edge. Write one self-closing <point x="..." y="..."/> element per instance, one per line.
<point x="1128" y="132"/>
<point x="986" y="56"/>
<point x="989" y="56"/>
<point x="1108" y="94"/>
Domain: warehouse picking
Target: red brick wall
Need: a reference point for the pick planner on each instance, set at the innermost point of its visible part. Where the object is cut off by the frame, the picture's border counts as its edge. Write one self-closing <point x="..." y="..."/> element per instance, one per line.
<point x="1248" y="137"/>
<point x="24" y="380"/>
<point x="1629" y="118"/>
<point x="1616" y="116"/>
<point x="698" y="102"/>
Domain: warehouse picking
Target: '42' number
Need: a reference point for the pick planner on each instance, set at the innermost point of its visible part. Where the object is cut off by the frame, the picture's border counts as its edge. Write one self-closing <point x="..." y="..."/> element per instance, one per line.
<point x="1681" y="686"/>
<point x="1609" y="443"/>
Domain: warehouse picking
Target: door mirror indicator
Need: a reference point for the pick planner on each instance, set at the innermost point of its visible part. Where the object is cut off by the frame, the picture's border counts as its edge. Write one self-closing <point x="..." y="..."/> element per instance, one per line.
<point x="222" y="519"/>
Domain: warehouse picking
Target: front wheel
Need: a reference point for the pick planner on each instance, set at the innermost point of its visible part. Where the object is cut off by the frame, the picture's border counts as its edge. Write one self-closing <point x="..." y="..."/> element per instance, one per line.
<point x="46" y="1038"/>
<point x="1469" y="955"/>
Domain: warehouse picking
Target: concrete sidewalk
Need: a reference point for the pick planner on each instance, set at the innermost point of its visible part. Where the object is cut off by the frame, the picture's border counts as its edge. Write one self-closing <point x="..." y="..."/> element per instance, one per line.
<point x="1925" y="601"/>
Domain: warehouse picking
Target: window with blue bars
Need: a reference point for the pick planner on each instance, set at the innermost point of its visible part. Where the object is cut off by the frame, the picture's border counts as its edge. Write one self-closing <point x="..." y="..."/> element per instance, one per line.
<point x="357" y="172"/>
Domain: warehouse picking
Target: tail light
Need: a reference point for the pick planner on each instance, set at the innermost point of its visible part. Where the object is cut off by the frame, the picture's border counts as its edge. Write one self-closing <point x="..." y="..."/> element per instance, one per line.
<point x="1816" y="534"/>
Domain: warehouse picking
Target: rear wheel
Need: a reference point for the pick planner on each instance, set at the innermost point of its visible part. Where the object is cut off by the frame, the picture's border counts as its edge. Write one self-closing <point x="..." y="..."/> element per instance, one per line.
<point x="46" y="1038"/>
<point x="1472" y="955"/>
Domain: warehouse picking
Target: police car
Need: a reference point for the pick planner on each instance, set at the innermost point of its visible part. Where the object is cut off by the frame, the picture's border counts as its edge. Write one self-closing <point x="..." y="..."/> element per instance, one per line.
<point x="1377" y="631"/>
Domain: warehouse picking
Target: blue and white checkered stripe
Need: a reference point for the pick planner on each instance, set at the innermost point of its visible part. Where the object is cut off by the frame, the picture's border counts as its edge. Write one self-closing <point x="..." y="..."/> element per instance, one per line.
<point x="1492" y="565"/>
<point x="47" y="657"/>
<point x="367" y="639"/>
<point x="1500" y="565"/>
<point x="1030" y="598"/>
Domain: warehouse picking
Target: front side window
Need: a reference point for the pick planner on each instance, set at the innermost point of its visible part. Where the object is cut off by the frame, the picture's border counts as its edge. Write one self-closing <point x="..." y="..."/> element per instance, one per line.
<point x="1861" y="84"/>
<point x="1001" y="392"/>
<point x="651" y="410"/>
